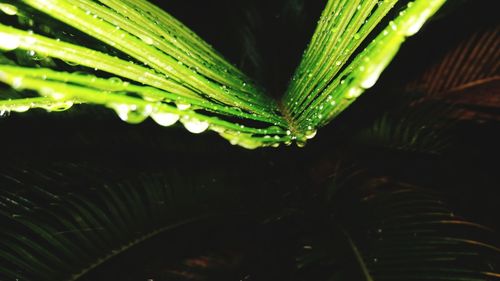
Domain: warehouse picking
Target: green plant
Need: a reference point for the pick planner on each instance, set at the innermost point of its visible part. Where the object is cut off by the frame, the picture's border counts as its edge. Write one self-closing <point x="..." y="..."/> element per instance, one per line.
<point x="155" y="66"/>
<point x="83" y="197"/>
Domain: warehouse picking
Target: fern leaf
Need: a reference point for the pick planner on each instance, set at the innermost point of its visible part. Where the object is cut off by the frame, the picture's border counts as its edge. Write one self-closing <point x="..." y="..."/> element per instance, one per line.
<point x="395" y="231"/>
<point x="55" y="232"/>
<point x="467" y="75"/>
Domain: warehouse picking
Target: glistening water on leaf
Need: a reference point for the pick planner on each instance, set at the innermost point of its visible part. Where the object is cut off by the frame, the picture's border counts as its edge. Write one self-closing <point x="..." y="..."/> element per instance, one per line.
<point x="85" y="196"/>
<point x="151" y="65"/>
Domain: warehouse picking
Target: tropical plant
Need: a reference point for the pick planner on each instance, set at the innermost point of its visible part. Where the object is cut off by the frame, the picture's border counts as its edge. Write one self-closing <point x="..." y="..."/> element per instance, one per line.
<point x="152" y="65"/>
<point x="94" y="199"/>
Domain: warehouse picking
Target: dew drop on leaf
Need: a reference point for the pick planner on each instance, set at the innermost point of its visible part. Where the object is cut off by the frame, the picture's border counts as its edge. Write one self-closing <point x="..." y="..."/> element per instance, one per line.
<point x="71" y="63"/>
<point x="115" y="80"/>
<point x="130" y="113"/>
<point x="3" y="112"/>
<point x="49" y="92"/>
<point x="372" y="78"/>
<point x="311" y="133"/>
<point x="183" y="106"/>
<point x="59" y="106"/>
<point x="417" y="23"/>
<point x="21" y="108"/>
<point x="195" y="126"/>
<point x="117" y="84"/>
<point x="17" y="83"/>
<point x="164" y="118"/>
<point x="9" y="42"/>
<point x="354" y="92"/>
<point x="8" y="9"/>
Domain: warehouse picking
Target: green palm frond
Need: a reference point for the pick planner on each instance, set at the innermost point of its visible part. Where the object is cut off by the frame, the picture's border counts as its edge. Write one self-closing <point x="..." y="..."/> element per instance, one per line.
<point x="329" y="78"/>
<point x="432" y="242"/>
<point x="60" y="223"/>
<point x="418" y="127"/>
<point x="138" y="60"/>
<point x="467" y="75"/>
<point x="389" y="230"/>
<point x="471" y="62"/>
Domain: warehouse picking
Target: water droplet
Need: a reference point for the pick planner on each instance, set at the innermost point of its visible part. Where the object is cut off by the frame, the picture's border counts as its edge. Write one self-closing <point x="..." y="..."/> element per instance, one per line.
<point x="164" y="118"/>
<point x="417" y="23"/>
<point x="116" y="84"/>
<point x="21" y="108"/>
<point x="311" y="133"/>
<point x="354" y="92"/>
<point x="8" y="9"/>
<point x="58" y="106"/>
<point x="9" y="42"/>
<point x="151" y="99"/>
<point x="72" y="63"/>
<point x="49" y="92"/>
<point x="372" y="78"/>
<point x="246" y="142"/>
<point x="194" y="125"/>
<point x="4" y="112"/>
<point x="115" y="80"/>
<point x="17" y="83"/>
<point x="393" y="25"/>
<point x="131" y="113"/>
<point x="183" y="106"/>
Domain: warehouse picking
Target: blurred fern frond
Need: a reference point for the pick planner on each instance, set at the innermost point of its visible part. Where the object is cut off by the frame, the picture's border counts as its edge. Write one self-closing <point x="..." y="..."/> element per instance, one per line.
<point x="388" y="230"/>
<point x="467" y="75"/>
<point x="61" y="223"/>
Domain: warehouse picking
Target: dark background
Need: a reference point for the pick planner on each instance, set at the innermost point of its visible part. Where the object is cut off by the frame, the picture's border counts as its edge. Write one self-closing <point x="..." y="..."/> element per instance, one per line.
<point x="266" y="39"/>
<point x="468" y="171"/>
